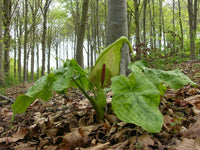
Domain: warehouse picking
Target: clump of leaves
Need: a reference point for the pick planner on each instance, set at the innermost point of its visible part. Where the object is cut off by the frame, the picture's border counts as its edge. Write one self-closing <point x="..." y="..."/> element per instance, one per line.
<point x="136" y="97"/>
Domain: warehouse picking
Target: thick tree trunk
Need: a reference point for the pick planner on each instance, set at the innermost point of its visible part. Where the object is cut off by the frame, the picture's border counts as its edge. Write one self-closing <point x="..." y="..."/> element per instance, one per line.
<point x="117" y="27"/>
<point x="2" y="83"/>
<point x="81" y="33"/>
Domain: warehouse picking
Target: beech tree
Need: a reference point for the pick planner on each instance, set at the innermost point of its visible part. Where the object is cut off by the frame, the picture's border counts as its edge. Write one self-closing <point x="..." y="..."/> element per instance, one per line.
<point x="192" y="11"/>
<point x="44" y="14"/>
<point x="2" y="83"/>
<point x="6" y="24"/>
<point x="117" y="27"/>
<point x="81" y="33"/>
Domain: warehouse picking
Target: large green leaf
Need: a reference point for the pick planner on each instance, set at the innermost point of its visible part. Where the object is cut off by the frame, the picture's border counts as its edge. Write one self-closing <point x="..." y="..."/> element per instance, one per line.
<point x="21" y="104"/>
<point x="174" y="78"/>
<point x="110" y="58"/>
<point x="136" y="101"/>
<point x="42" y="87"/>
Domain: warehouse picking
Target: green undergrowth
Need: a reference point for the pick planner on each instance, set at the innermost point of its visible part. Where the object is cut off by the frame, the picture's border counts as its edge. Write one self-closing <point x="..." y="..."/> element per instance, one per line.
<point x="136" y="97"/>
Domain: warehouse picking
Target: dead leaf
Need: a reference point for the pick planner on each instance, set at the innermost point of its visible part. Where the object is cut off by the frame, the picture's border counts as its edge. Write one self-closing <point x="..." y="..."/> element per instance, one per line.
<point x="97" y="147"/>
<point x="187" y="144"/>
<point x="20" y="134"/>
<point x="74" y="138"/>
<point x="193" y="131"/>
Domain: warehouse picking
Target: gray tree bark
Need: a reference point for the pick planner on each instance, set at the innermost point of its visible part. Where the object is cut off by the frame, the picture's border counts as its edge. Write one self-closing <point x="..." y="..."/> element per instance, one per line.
<point x="2" y="83"/>
<point x="117" y="27"/>
<point x="25" y="75"/>
<point x="44" y="13"/>
<point x="81" y="33"/>
<point x="6" y="22"/>
<point x="137" y="30"/>
<point x="180" y="22"/>
<point x="192" y="23"/>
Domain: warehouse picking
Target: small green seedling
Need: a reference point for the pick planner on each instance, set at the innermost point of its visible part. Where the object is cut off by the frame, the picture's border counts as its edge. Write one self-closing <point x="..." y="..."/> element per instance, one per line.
<point x="136" y="97"/>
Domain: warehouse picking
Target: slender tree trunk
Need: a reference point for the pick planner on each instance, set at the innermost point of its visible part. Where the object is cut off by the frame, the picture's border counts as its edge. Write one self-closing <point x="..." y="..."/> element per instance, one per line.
<point x="137" y="30"/>
<point x="15" y="49"/>
<point x="7" y="20"/>
<point x="117" y="27"/>
<point x="19" y="50"/>
<point x="56" y="45"/>
<point x="34" y="9"/>
<point x="160" y="25"/>
<point x="45" y="10"/>
<point x="2" y="82"/>
<point x="144" y="25"/>
<point x="173" y="47"/>
<point x="151" y="27"/>
<point x="81" y="33"/>
<point x="180" y="22"/>
<point x="25" y="75"/>
<point x="88" y="45"/>
<point x="192" y="28"/>
<point x="49" y="50"/>
<point x="154" y="28"/>
<point x="37" y="60"/>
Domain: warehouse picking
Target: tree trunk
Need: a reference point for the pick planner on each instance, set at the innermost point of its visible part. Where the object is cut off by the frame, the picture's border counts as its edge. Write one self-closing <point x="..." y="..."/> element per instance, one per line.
<point x="137" y="30"/>
<point x="144" y="25"/>
<point x="37" y="60"/>
<point x="6" y="21"/>
<point x="2" y="82"/>
<point x="49" y="49"/>
<point x="192" y="29"/>
<point x="173" y="47"/>
<point x="25" y="75"/>
<point x="117" y="27"/>
<point x="81" y="33"/>
<point x="180" y="22"/>
<point x="19" y="50"/>
<point x="160" y="25"/>
<point x="151" y="27"/>
<point x="15" y="48"/>
<point x="44" y="10"/>
<point x="154" y="28"/>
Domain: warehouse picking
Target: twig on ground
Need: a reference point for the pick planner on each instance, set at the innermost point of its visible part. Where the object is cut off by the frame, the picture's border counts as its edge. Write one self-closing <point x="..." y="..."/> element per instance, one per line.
<point x="6" y="98"/>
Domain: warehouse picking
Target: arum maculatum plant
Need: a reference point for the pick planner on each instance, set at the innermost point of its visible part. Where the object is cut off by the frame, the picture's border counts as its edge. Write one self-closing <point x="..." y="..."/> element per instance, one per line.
<point x="135" y="98"/>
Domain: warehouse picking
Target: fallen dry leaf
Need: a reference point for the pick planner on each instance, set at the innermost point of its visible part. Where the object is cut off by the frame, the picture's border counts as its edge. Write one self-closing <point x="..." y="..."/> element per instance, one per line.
<point x="97" y="147"/>
<point x="193" y="131"/>
<point x="187" y="144"/>
<point x="20" y="134"/>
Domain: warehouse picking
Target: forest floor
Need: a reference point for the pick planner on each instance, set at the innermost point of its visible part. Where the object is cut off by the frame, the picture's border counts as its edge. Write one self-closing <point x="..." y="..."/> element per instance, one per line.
<point x="68" y="122"/>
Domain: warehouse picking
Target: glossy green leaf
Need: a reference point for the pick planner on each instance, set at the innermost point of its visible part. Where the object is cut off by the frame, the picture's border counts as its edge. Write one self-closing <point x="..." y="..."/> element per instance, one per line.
<point x="136" y="101"/>
<point x="111" y="58"/>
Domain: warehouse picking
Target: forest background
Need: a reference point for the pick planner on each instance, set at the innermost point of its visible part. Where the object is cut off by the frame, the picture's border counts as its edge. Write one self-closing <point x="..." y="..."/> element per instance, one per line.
<point x="36" y="36"/>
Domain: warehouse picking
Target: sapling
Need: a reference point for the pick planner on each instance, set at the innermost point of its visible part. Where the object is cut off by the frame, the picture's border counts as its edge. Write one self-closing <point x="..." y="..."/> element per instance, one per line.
<point x="136" y="97"/>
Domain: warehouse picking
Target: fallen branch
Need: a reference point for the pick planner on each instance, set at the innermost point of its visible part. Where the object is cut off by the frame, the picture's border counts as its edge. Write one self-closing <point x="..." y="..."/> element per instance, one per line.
<point x="6" y="98"/>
